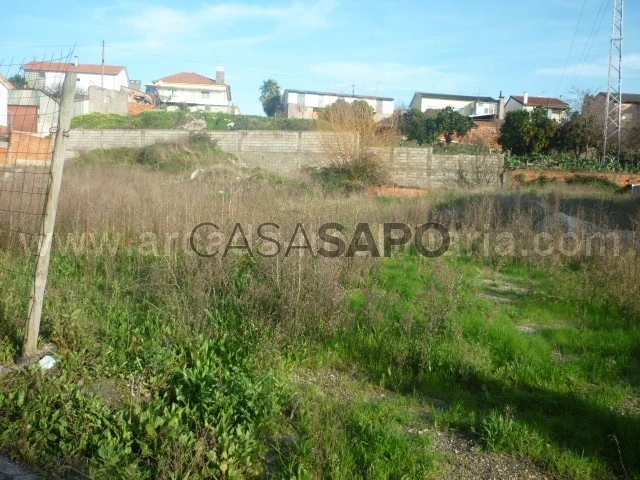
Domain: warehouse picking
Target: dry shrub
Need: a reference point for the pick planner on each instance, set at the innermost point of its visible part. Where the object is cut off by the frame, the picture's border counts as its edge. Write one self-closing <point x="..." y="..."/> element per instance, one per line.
<point x="354" y="145"/>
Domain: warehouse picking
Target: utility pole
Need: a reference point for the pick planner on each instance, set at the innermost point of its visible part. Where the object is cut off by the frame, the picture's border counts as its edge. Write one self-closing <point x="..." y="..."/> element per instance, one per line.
<point x="613" y="107"/>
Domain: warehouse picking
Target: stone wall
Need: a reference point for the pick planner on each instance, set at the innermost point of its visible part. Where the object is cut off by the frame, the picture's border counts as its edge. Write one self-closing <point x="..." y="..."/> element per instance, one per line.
<point x="287" y="152"/>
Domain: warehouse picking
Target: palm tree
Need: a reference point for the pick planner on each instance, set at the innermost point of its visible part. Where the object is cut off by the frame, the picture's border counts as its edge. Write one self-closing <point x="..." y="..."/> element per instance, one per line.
<point x="270" y="97"/>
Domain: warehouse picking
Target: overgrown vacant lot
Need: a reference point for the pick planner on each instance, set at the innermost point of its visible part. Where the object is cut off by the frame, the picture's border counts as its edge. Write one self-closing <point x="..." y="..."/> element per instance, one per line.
<point x="482" y="363"/>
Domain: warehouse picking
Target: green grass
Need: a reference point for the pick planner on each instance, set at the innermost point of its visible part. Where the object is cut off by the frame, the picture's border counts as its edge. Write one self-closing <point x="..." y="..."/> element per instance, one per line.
<point x="197" y="151"/>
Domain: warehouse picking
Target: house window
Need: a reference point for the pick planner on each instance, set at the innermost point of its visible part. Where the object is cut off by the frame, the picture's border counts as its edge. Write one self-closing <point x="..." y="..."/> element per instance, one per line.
<point x="486" y="110"/>
<point x="204" y="95"/>
<point x="301" y="99"/>
<point x="378" y="106"/>
<point x="174" y="93"/>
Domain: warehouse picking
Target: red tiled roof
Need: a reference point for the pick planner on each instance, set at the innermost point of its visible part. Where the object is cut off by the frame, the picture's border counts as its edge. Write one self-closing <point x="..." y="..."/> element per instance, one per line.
<point x="541" y="101"/>
<point x="70" y="67"/>
<point x="189" y="78"/>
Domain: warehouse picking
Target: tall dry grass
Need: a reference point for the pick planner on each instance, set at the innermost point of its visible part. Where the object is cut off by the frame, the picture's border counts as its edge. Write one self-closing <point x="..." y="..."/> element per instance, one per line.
<point x="149" y="216"/>
<point x="355" y="145"/>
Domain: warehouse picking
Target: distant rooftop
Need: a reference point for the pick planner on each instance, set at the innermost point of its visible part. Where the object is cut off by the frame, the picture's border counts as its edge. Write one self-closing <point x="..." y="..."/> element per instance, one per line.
<point x="462" y="98"/>
<point x="626" y="97"/>
<point x="541" y="101"/>
<point x="189" y="78"/>
<point x="70" y="67"/>
<point x="343" y="95"/>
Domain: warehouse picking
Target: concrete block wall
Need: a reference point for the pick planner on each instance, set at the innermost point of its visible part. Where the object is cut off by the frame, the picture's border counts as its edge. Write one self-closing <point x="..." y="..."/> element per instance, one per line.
<point x="287" y="152"/>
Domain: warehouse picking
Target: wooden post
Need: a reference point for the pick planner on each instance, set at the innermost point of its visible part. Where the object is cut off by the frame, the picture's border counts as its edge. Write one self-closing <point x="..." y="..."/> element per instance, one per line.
<point x="44" y="248"/>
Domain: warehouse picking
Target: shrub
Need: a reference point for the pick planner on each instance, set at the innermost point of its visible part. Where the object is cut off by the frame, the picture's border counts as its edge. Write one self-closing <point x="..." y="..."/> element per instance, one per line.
<point x="351" y="175"/>
<point x="594" y="181"/>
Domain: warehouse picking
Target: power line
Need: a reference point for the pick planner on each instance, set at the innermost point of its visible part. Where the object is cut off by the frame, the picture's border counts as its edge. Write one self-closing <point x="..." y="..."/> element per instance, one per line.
<point x="595" y="29"/>
<point x="575" y="33"/>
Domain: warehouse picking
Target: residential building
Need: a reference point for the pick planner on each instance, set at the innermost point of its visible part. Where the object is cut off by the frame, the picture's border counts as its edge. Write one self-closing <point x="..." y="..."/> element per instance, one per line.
<point x="5" y="87"/>
<point x="556" y="108"/>
<point x="473" y="106"/>
<point x="49" y="76"/>
<point x="306" y="104"/>
<point x="630" y="105"/>
<point x="195" y="90"/>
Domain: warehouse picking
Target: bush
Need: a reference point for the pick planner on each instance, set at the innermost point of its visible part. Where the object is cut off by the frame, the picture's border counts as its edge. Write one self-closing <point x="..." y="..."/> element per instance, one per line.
<point x="593" y="181"/>
<point x="351" y="175"/>
<point x="171" y="120"/>
<point x="569" y="163"/>
<point x="198" y="150"/>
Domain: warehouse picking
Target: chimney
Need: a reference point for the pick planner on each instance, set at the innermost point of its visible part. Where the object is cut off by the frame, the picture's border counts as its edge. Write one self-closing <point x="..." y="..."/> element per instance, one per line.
<point x="501" y="106"/>
<point x="76" y="61"/>
<point x="219" y="74"/>
<point x="526" y="98"/>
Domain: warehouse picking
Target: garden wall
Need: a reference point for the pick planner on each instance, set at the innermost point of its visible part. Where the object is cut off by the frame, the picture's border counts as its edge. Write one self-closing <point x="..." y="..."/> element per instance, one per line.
<point x="288" y="152"/>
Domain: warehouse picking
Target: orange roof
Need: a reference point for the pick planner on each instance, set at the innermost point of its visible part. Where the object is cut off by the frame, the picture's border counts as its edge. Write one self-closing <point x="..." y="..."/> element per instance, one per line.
<point x="70" y="67"/>
<point x="541" y="101"/>
<point x="188" y="78"/>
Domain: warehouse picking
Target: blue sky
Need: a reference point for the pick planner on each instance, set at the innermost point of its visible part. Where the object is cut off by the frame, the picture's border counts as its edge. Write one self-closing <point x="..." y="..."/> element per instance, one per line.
<point x="387" y="48"/>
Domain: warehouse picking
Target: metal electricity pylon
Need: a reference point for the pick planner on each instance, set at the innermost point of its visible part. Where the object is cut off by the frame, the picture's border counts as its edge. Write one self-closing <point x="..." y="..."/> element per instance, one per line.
<point x="613" y="108"/>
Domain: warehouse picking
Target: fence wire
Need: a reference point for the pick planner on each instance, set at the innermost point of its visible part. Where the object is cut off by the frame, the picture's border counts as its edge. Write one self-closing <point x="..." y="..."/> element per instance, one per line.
<point x="30" y="93"/>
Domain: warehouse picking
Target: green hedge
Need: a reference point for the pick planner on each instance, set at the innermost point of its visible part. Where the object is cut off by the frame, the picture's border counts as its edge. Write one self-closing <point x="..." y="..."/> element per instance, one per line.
<point x="572" y="164"/>
<point x="170" y="120"/>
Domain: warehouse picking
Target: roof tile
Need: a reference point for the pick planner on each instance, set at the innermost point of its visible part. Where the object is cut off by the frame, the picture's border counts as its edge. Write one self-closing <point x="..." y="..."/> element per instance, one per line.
<point x="541" y="101"/>
<point x="191" y="78"/>
<point x="70" y="67"/>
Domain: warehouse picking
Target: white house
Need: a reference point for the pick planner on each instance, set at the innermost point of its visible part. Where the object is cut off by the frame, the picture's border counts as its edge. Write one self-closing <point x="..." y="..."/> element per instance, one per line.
<point x="5" y="86"/>
<point x="195" y="90"/>
<point x="50" y="75"/>
<point x="468" y="105"/>
<point x="306" y="104"/>
<point x="556" y="108"/>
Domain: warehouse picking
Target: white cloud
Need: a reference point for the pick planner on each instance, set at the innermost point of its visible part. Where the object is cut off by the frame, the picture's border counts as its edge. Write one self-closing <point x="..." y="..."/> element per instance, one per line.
<point x="157" y="26"/>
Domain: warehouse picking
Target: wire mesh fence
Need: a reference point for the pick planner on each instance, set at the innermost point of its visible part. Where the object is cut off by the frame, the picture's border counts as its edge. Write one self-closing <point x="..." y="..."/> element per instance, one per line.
<point x="29" y="122"/>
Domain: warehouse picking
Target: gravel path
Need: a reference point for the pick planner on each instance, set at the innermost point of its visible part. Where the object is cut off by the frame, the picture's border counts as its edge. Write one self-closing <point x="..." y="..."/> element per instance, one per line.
<point x="465" y="460"/>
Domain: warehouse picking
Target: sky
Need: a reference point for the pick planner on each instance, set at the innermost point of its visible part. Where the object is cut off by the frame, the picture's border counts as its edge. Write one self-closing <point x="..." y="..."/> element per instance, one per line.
<point x="385" y="48"/>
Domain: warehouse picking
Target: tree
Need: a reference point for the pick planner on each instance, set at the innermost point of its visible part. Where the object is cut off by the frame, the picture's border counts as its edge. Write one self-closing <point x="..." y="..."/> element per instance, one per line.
<point x="357" y="116"/>
<point x="516" y="132"/>
<point x="630" y="145"/>
<point x="449" y="123"/>
<point x="412" y="125"/>
<point x="544" y="129"/>
<point x="18" y="81"/>
<point x="577" y="134"/>
<point x="270" y="97"/>
<point x="426" y="127"/>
